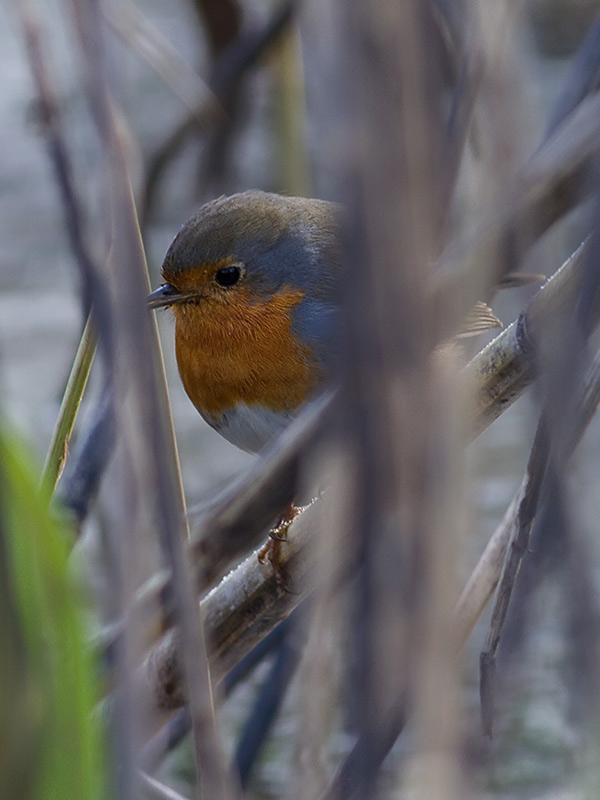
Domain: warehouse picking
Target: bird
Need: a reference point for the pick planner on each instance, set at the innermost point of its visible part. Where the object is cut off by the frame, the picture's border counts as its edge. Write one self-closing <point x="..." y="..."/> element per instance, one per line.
<point x="254" y="282"/>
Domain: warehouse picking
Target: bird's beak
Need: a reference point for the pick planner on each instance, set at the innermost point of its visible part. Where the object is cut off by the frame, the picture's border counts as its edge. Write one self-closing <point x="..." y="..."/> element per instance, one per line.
<point x="165" y="295"/>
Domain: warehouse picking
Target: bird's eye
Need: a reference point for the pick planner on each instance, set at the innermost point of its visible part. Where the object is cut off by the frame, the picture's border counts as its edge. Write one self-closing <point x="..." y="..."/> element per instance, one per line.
<point x="228" y="276"/>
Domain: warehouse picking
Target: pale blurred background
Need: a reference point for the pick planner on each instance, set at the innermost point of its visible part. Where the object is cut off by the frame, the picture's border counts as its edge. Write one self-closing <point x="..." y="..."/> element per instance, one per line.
<point x="536" y="751"/>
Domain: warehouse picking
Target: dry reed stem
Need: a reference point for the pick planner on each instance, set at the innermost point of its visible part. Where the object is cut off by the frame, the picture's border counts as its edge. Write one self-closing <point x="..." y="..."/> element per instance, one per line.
<point x="485" y="576"/>
<point x="247" y="603"/>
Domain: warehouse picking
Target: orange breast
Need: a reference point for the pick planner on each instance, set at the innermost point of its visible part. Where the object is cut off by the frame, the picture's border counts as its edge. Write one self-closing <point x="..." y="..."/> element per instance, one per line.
<point x="239" y="352"/>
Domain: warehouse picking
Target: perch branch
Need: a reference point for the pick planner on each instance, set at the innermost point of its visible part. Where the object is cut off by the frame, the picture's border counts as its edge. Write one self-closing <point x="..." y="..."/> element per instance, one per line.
<point x="248" y="604"/>
<point x="237" y="614"/>
<point x="498" y="375"/>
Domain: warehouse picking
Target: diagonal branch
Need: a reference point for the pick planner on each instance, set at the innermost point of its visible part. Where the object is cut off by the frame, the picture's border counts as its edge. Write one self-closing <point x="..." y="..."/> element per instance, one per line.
<point x="248" y="603"/>
<point x="497" y="376"/>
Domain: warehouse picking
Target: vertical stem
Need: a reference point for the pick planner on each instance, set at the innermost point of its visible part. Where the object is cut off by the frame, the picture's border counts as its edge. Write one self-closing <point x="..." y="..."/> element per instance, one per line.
<point x="290" y="109"/>
<point x="69" y="407"/>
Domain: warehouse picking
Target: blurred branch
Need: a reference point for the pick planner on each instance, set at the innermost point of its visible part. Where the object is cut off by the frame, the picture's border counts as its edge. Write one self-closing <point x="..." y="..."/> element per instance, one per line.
<point x="565" y="388"/>
<point x="518" y="534"/>
<point x="486" y="574"/>
<point x="228" y="71"/>
<point x="468" y="68"/>
<point x="525" y="510"/>
<point x="154" y="790"/>
<point x="468" y="83"/>
<point x="133" y="26"/>
<point x="552" y="182"/>
<point x="152" y="483"/>
<point x="388" y="413"/>
<point x="222" y="21"/>
<point x="80" y="484"/>
<point x="293" y="173"/>
<point x="247" y="604"/>
<point x="583" y="79"/>
<point x="171" y="734"/>
<point x="269" y="699"/>
<point x="94" y="290"/>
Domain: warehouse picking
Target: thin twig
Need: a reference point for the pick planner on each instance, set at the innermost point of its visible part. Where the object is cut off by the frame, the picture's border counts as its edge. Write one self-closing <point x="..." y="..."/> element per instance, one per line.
<point x="231" y="66"/>
<point x="515" y="528"/>
<point x="524" y="518"/>
<point x="69" y="407"/>
<point x="93" y="287"/>
<point x="485" y="576"/>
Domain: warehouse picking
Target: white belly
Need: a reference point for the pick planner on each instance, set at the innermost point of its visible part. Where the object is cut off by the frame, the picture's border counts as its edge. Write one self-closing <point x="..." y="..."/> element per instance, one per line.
<point x="249" y="427"/>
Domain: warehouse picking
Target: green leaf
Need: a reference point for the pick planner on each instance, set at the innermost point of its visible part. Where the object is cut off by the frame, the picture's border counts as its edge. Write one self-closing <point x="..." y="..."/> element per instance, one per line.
<point x="50" y="742"/>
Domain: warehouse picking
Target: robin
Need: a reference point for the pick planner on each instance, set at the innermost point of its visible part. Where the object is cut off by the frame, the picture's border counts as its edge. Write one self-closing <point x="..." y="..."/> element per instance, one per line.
<point x="253" y="282"/>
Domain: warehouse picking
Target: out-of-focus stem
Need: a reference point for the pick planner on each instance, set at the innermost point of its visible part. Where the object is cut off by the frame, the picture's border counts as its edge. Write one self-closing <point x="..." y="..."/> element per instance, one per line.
<point x="57" y="451"/>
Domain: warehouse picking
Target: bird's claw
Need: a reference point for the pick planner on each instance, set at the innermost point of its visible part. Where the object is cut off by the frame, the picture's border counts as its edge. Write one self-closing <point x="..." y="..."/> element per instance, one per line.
<point x="271" y="550"/>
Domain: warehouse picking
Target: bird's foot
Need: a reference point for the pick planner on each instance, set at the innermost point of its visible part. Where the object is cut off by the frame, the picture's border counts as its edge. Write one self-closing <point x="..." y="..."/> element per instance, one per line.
<point x="271" y="549"/>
